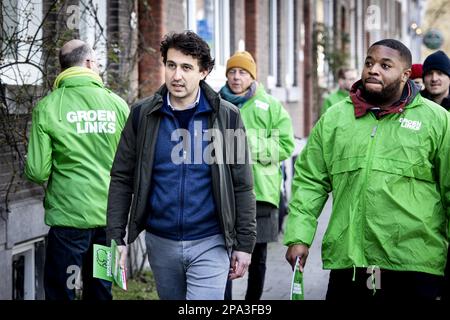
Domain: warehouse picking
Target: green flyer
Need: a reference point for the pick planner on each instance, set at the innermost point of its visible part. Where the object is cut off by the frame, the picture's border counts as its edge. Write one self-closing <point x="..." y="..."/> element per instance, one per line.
<point x="106" y="265"/>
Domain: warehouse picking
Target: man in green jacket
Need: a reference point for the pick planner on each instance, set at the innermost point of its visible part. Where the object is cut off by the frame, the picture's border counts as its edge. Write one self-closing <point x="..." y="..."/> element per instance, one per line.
<point x="271" y="140"/>
<point x="384" y="154"/>
<point x="346" y="78"/>
<point x="74" y="134"/>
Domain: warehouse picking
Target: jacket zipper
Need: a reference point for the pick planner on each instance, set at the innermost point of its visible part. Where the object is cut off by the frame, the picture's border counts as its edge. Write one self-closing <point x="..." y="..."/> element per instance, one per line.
<point x="183" y="176"/>
<point x="183" y="179"/>
<point x="366" y="179"/>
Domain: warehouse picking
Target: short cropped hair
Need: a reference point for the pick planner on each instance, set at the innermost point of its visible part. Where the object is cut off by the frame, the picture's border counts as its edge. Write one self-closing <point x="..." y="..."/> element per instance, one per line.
<point x="342" y="71"/>
<point x="189" y="43"/>
<point x="75" y="57"/>
<point x="398" y="46"/>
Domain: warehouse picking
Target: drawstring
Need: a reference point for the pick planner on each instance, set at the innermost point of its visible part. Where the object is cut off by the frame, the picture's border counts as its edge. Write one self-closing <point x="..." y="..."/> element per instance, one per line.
<point x="60" y="103"/>
<point x="372" y="277"/>
<point x="373" y="281"/>
<point x="354" y="272"/>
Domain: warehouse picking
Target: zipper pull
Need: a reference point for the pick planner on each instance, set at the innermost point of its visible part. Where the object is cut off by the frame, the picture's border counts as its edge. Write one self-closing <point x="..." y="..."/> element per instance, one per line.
<point x="374" y="131"/>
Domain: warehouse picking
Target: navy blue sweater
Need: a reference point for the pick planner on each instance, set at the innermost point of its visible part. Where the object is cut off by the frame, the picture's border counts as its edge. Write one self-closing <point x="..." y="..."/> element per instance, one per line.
<point x="181" y="199"/>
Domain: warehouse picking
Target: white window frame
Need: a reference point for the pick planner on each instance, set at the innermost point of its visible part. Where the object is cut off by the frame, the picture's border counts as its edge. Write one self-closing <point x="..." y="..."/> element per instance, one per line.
<point x="27" y="249"/>
<point x="24" y="73"/>
<point x="272" y="78"/>
<point x="90" y="31"/>
<point x="221" y="51"/>
<point x="289" y="77"/>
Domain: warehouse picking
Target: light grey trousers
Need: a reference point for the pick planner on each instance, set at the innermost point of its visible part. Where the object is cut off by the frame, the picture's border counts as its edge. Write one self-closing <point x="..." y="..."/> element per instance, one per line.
<point x="189" y="270"/>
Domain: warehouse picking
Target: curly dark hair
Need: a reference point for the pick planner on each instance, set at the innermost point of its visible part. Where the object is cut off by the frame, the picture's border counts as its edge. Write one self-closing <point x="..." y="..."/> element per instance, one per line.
<point x="190" y="44"/>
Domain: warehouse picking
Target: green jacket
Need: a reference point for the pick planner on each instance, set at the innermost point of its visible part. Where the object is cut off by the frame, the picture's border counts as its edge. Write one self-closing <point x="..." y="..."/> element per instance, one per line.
<point x="271" y="140"/>
<point x="74" y="134"/>
<point x="333" y="98"/>
<point x="390" y="182"/>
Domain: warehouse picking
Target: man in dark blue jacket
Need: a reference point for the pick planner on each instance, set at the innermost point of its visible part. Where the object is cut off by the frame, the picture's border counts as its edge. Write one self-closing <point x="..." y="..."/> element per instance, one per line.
<point x="436" y="78"/>
<point x="183" y="155"/>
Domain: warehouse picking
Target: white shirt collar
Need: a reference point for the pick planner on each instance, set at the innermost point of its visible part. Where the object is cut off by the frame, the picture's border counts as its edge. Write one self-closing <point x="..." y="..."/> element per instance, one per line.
<point x="190" y="106"/>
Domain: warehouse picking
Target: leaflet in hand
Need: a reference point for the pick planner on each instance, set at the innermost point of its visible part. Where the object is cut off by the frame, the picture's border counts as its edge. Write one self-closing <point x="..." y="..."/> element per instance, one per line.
<point x="106" y="265"/>
<point x="297" y="292"/>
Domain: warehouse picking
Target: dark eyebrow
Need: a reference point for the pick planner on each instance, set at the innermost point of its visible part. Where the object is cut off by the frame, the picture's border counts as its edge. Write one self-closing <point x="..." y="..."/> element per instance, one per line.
<point x="183" y="64"/>
<point x="387" y="60"/>
<point x="383" y="59"/>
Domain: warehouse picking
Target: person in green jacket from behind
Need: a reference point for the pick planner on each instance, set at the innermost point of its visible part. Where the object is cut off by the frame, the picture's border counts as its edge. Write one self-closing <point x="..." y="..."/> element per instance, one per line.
<point x="384" y="154"/>
<point x="74" y="134"/>
<point x="271" y="139"/>
<point x="346" y="77"/>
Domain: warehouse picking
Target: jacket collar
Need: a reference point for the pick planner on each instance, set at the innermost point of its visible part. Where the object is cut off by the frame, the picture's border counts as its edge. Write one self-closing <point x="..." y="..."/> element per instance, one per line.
<point x="211" y="96"/>
<point x="362" y="106"/>
<point x="75" y="76"/>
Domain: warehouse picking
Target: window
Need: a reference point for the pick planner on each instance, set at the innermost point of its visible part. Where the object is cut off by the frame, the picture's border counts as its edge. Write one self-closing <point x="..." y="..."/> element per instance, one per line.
<point x="92" y="28"/>
<point x="21" y="42"/>
<point x="290" y="52"/>
<point x="272" y="79"/>
<point x="398" y="19"/>
<point x="27" y="270"/>
<point x="296" y="46"/>
<point x="210" y="19"/>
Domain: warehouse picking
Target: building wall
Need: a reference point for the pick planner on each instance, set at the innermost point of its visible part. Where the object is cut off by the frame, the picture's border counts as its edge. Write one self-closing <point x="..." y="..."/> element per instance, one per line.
<point x="5" y="261"/>
<point x="176" y="19"/>
<point x="123" y="42"/>
<point x="151" y="29"/>
<point x="237" y="24"/>
<point x="5" y="278"/>
<point x="24" y="222"/>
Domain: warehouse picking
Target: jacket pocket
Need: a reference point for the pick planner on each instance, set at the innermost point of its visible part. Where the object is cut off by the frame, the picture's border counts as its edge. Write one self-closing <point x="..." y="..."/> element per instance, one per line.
<point x="347" y="165"/>
<point x="417" y="170"/>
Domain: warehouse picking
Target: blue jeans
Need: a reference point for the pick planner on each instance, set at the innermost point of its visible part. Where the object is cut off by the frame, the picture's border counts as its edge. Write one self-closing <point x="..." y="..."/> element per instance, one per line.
<point x="189" y="270"/>
<point x="70" y="251"/>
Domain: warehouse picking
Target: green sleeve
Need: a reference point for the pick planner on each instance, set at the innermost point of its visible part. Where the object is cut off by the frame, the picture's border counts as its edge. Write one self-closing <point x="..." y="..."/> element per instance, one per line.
<point x="39" y="157"/>
<point x="276" y="144"/>
<point x="310" y="187"/>
<point x="442" y="164"/>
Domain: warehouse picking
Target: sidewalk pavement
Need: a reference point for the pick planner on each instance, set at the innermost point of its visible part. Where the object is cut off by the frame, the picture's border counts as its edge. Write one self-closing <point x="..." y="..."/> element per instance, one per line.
<point x="278" y="275"/>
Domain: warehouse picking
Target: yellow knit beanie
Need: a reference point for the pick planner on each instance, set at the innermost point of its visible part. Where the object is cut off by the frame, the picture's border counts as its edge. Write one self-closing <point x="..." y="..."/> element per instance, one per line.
<point x="244" y="60"/>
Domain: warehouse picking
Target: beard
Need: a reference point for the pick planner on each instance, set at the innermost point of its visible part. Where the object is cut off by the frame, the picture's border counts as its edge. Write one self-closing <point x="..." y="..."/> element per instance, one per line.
<point x="380" y="97"/>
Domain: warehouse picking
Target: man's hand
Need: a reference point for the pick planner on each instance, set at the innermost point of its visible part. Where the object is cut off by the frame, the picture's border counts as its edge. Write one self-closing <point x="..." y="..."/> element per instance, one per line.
<point x="123" y="256"/>
<point x="297" y="250"/>
<point x="239" y="264"/>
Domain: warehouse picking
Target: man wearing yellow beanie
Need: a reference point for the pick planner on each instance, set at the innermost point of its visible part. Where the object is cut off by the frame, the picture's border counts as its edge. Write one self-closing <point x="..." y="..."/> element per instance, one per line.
<point x="271" y="139"/>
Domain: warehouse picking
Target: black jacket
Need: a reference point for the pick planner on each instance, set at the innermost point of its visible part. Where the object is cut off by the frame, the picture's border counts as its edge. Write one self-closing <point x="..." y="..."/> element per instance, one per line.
<point x="131" y="174"/>
<point x="445" y="102"/>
